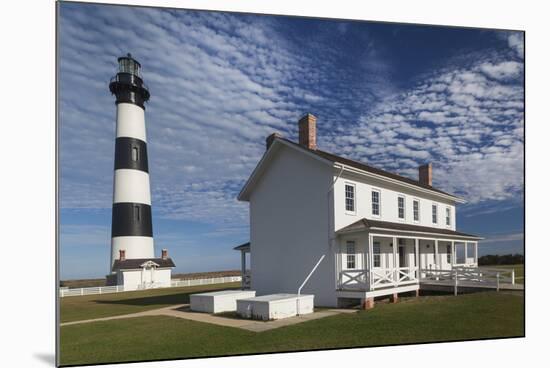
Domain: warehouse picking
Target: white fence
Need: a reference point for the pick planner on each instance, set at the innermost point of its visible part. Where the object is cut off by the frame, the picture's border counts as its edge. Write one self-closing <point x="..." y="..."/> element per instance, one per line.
<point x="471" y="276"/>
<point x="63" y="291"/>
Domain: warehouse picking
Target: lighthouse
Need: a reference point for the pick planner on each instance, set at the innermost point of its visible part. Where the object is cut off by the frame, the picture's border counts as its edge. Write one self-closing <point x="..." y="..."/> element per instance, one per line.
<point x="132" y="248"/>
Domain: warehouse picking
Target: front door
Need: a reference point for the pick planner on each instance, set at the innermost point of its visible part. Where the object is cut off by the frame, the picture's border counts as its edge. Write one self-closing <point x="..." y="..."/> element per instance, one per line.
<point x="402" y="258"/>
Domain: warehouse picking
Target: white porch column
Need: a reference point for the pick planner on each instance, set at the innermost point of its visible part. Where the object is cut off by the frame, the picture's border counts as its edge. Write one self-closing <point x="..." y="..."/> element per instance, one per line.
<point x="453" y="253"/>
<point x="466" y="252"/>
<point x="417" y="258"/>
<point x="395" y="264"/>
<point x="243" y="268"/>
<point x="437" y="261"/>
<point x="475" y="253"/>
<point x="371" y="260"/>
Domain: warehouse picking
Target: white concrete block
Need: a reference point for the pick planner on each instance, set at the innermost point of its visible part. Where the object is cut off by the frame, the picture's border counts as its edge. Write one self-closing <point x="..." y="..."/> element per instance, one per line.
<point x="275" y="306"/>
<point x="219" y="301"/>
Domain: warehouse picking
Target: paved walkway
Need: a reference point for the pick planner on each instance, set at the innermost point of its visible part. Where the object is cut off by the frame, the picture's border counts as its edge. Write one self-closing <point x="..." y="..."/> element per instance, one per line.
<point x="183" y="311"/>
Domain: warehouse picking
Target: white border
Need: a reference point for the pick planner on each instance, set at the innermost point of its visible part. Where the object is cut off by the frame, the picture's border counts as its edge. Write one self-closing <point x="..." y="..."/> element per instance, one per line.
<point x="27" y="29"/>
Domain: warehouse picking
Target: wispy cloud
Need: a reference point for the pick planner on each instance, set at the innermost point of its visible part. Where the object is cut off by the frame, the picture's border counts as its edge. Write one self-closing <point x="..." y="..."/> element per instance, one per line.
<point x="501" y="238"/>
<point x="466" y="119"/>
<point x="221" y="83"/>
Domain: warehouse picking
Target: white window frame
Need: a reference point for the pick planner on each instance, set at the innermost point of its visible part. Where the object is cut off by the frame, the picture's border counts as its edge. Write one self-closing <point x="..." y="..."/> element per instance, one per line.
<point x="436" y="213"/>
<point x="349" y="212"/>
<point x="416" y="200"/>
<point x="351" y="257"/>
<point x="448" y="214"/>
<point x="404" y="207"/>
<point x="379" y="202"/>
<point x="375" y="254"/>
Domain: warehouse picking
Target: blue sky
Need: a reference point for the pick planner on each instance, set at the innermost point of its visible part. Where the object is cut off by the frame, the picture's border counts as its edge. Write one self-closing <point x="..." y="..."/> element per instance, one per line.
<point x="394" y="96"/>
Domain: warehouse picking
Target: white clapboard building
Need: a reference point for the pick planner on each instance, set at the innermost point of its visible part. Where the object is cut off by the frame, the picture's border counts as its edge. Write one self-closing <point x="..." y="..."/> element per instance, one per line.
<point x="379" y="232"/>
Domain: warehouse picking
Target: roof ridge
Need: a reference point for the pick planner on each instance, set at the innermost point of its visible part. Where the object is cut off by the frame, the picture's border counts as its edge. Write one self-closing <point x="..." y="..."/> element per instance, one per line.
<point x="367" y="167"/>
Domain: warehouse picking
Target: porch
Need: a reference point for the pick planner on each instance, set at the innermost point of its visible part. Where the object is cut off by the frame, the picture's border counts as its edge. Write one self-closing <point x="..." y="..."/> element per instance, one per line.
<point x="368" y="262"/>
<point x="245" y="272"/>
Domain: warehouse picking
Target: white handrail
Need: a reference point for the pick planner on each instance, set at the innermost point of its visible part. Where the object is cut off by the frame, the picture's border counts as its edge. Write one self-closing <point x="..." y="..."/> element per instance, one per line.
<point x="304" y="283"/>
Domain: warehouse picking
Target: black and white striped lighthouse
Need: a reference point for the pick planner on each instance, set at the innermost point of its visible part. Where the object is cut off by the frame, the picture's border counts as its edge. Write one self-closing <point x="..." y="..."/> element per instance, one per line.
<point x="132" y="230"/>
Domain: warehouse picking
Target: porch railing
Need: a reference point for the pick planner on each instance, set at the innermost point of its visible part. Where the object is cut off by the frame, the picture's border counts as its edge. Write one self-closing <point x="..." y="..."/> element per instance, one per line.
<point x="377" y="278"/>
<point x="246" y="280"/>
<point x="486" y="276"/>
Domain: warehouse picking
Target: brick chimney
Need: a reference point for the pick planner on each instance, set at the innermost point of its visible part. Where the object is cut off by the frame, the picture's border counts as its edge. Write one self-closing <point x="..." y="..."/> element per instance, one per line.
<point x="307" y="131"/>
<point x="164" y="254"/>
<point x="425" y="174"/>
<point x="270" y="138"/>
<point x="122" y="255"/>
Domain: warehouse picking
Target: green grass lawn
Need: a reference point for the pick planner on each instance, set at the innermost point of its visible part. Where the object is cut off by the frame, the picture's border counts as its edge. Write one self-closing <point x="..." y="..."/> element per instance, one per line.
<point x="430" y="318"/>
<point x="76" y="308"/>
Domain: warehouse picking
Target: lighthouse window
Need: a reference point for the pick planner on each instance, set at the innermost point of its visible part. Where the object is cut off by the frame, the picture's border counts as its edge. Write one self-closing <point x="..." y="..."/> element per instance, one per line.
<point x="136" y="213"/>
<point x="135" y="153"/>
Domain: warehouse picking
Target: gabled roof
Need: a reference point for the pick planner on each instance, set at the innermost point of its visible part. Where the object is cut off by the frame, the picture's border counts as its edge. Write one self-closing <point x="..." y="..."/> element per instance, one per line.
<point x="365" y="224"/>
<point x="333" y="159"/>
<point x="374" y="170"/>
<point x="136" y="263"/>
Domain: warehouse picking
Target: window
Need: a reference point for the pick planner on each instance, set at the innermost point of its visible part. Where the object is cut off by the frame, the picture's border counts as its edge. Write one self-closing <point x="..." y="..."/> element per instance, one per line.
<point x="434" y="213"/>
<point x="416" y="210"/>
<point x="460" y="253"/>
<point x="448" y="216"/>
<point x="350" y="256"/>
<point x="449" y="253"/>
<point x="134" y="154"/>
<point x="401" y="207"/>
<point x="350" y="198"/>
<point x="376" y="203"/>
<point x="376" y="254"/>
<point x="137" y="215"/>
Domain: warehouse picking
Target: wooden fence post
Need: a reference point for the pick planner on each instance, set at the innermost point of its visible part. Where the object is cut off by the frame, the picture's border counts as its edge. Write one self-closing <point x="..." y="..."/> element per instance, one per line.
<point x="456" y="282"/>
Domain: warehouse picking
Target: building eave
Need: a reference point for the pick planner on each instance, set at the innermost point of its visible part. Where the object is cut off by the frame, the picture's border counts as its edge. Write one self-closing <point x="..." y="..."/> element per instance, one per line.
<point x="278" y="143"/>
<point x="349" y="169"/>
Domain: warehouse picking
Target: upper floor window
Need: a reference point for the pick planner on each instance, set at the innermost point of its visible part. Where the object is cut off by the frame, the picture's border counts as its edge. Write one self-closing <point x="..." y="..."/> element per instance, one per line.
<point x="135" y="154"/>
<point x="448" y="216"/>
<point x="350" y="197"/>
<point x="350" y="255"/>
<point x="401" y="207"/>
<point x="416" y="210"/>
<point x="376" y="202"/>
<point x="434" y="213"/>
<point x="137" y="214"/>
<point x="376" y="254"/>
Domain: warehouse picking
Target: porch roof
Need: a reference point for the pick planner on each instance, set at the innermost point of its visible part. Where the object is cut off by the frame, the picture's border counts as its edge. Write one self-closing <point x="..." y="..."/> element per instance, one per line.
<point x="365" y="224"/>
<point x="243" y="247"/>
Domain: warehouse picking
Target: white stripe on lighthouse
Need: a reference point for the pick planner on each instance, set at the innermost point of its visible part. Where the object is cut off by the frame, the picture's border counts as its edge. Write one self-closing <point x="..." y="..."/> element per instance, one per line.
<point x="131" y="186"/>
<point x="130" y="121"/>
<point x="134" y="246"/>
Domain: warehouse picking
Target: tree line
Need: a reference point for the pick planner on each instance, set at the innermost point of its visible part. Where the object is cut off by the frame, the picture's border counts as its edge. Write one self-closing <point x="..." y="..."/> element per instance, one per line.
<point x="506" y="259"/>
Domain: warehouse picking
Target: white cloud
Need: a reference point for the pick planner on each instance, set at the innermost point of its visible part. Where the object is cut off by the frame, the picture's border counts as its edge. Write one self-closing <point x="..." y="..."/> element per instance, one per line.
<point x="515" y="41"/>
<point x="503" y="70"/>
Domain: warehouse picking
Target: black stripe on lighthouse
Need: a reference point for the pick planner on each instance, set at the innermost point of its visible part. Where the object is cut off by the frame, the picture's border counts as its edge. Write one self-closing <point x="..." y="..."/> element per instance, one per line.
<point x="131" y="219"/>
<point x="131" y="153"/>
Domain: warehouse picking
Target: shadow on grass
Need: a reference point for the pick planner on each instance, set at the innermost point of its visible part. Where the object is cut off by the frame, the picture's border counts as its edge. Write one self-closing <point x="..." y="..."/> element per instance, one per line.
<point x="160" y="300"/>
